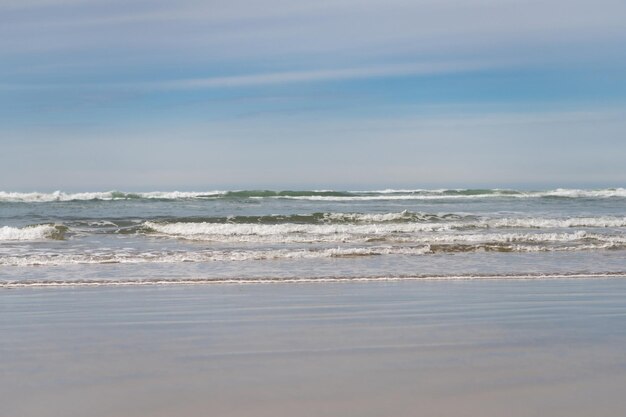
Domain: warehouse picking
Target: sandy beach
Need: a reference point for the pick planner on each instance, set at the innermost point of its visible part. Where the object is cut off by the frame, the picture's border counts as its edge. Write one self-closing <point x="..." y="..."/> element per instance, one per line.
<point x="312" y="209"/>
<point x="479" y="348"/>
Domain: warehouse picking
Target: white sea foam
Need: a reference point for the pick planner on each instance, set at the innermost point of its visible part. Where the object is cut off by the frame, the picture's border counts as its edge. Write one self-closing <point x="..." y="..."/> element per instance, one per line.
<point x="410" y="246"/>
<point x="386" y="217"/>
<point x="56" y="259"/>
<point x="385" y="197"/>
<point x="39" y="232"/>
<point x="459" y="194"/>
<point x="508" y="237"/>
<point x="603" y="221"/>
<point x="36" y="197"/>
<point x="465" y="193"/>
<point x="403" y="226"/>
<point x="455" y="221"/>
<point x="413" y="231"/>
<point x="524" y="241"/>
<point x="120" y="257"/>
<point x="176" y="195"/>
<point x="389" y="194"/>
<point x="60" y="283"/>
<point x="288" y="231"/>
<point x="575" y="193"/>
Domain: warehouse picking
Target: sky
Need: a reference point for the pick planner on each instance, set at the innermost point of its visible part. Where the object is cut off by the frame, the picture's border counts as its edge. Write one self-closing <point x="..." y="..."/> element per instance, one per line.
<point x="284" y="94"/>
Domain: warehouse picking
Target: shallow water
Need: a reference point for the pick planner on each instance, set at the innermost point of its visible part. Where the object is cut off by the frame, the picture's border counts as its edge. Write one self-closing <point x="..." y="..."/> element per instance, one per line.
<point x="121" y="238"/>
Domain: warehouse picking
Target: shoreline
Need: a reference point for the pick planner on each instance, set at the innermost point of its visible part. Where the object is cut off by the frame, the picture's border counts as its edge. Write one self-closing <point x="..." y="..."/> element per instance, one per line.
<point x="309" y="280"/>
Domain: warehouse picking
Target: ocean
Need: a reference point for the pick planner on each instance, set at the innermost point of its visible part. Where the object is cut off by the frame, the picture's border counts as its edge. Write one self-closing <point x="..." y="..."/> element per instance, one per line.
<point x="162" y="238"/>
<point x="390" y="302"/>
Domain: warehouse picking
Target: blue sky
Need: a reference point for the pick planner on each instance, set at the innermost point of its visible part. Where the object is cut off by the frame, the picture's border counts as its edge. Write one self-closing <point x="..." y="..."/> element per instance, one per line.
<point x="331" y="94"/>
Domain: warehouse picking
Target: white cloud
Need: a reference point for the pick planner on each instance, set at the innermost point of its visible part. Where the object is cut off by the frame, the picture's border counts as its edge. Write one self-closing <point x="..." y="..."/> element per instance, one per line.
<point x="321" y="75"/>
<point x="243" y="29"/>
<point x="281" y="77"/>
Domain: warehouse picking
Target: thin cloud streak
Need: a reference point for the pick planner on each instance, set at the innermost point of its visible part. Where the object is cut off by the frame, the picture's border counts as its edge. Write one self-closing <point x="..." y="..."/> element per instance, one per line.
<point x="284" y="77"/>
<point x="528" y="91"/>
<point x="242" y="29"/>
<point x="323" y="75"/>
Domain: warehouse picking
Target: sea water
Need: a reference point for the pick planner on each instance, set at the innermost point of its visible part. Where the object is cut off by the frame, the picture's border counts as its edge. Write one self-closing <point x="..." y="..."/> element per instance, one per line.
<point x="160" y="238"/>
<point x="435" y="302"/>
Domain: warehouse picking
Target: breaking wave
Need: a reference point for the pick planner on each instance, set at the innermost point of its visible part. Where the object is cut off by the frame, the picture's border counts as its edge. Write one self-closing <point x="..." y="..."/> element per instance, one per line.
<point x="34" y="232"/>
<point x="440" y="245"/>
<point x="206" y="256"/>
<point x="390" y="230"/>
<point x="323" y="195"/>
<point x="329" y="227"/>
<point x="35" y="197"/>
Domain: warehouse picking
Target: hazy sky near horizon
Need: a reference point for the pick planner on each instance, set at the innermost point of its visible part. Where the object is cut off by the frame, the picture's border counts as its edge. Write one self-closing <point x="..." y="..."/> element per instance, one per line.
<point x="194" y="94"/>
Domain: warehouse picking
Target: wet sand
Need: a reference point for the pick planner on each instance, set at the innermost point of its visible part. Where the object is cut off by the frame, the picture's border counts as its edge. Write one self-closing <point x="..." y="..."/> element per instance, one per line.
<point x="478" y="348"/>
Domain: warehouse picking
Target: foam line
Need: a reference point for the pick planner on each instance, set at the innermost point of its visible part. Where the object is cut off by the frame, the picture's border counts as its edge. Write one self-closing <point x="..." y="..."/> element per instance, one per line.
<point x="310" y="280"/>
